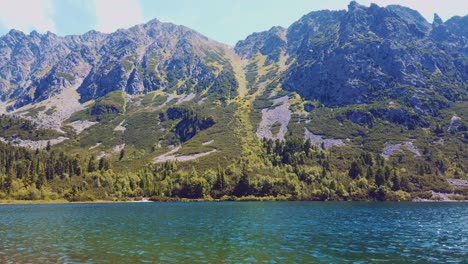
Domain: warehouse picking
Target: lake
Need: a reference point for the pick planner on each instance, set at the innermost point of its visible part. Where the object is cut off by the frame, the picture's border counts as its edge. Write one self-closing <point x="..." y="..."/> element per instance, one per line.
<point x="235" y="232"/>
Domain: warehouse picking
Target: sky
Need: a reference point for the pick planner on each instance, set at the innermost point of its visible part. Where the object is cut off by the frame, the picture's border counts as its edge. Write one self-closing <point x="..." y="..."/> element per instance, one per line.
<point x="226" y="21"/>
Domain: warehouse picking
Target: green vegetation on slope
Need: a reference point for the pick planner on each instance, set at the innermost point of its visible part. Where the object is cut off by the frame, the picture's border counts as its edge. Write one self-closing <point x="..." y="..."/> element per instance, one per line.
<point x="17" y="128"/>
<point x="291" y="169"/>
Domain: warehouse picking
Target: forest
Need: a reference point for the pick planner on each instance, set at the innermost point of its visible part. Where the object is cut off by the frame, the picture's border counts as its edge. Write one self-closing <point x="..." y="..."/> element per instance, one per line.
<point x="285" y="170"/>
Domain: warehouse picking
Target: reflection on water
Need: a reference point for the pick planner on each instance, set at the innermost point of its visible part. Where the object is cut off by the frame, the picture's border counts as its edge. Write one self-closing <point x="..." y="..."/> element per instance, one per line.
<point x="248" y="232"/>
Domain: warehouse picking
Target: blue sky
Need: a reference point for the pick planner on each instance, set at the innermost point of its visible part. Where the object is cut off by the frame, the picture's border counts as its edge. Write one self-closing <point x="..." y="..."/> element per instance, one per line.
<point x="224" y="20"/>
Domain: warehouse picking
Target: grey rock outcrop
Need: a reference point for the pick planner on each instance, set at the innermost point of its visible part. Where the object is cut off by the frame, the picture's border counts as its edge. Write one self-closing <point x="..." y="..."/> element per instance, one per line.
<point x="143" y="58"/>
<point x="456" y="125"/>
<point x="270" y="43"/>
<point x="368" y="54"/>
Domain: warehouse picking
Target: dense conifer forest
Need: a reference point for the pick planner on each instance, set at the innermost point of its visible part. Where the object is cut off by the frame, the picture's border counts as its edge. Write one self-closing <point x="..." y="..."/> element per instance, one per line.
<point x="286" y="170"/>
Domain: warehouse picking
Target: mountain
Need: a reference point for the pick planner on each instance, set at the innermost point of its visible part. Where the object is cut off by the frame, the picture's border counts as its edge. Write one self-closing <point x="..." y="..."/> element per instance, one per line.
<point x="368" y="54"/>
<point x="138" y="60"/>
<point x="364" y="103"/>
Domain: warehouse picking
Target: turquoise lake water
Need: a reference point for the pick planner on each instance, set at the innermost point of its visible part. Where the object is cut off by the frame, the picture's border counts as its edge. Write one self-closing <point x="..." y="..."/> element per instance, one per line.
<point x="235" y="232"/>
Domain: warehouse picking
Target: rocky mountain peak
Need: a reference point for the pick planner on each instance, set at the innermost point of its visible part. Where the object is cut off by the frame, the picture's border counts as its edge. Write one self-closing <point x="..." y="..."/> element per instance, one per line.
<point x="142" y="58"/>
<point x="437" y="20"/>
<point x="15" y="32"/>
<point x="34" y="33"/>
<point x="269" y="43"/>
<point x="342" y="56"/>
<point x="355" y="6"/>
<point x="153" y="22"/>
<point x="458" y="26"/>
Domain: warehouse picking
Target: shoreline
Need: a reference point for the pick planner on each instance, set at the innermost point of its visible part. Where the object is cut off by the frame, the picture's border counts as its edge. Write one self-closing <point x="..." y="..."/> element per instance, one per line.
<point x="32" y="202"/>
<point x="56" y="202"/>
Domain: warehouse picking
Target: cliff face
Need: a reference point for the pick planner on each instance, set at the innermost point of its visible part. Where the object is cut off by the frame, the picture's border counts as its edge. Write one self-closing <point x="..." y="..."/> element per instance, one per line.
<point x="137" y="60"/>
<point x="367" y="54"/>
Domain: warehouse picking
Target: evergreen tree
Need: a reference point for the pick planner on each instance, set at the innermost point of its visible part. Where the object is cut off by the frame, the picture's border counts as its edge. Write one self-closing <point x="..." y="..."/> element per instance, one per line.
<point x="380" y="177"/>
<point x="370" y="173"/>
<point x="104" y="164"/>
<point x="355" y="171"/>
<point x="92" y="164"/>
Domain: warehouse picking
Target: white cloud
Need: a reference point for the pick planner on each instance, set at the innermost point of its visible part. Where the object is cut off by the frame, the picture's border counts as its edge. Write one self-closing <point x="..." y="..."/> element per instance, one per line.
<point x="26" y="15"/>
<point x="114" y="14"/>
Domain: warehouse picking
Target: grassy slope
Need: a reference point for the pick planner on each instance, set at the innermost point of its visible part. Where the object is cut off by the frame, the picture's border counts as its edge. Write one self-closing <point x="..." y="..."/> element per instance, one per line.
<point x="233" y="134"/>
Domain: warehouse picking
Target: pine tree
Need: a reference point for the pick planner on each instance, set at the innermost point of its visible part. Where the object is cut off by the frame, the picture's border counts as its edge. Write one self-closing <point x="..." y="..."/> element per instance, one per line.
<point x="370" y="173"/>
<point x="104" y="164"/>
<point x="380" y="177"/>
<point x="92" y="164"/>
<point x="221" y="182"/>
<point x="355" y="171"/>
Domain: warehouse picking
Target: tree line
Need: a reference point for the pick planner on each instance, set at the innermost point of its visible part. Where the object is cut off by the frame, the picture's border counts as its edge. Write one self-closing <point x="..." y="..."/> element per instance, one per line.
<point x="291" y="169"/>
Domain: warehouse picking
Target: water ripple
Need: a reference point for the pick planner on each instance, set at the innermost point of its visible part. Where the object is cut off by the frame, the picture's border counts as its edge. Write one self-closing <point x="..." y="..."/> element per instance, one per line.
<point x="251" y="232"/>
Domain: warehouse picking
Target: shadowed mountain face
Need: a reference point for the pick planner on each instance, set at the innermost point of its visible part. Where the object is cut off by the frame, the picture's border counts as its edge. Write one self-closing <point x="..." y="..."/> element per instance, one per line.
<point x="367" y="53"/>
<point x="137" y="60"/>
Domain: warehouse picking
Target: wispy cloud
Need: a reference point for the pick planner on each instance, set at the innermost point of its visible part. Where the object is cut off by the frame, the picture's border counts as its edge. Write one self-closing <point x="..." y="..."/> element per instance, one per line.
<point x="26" y="15"/>
<point x="114" y="14"/>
